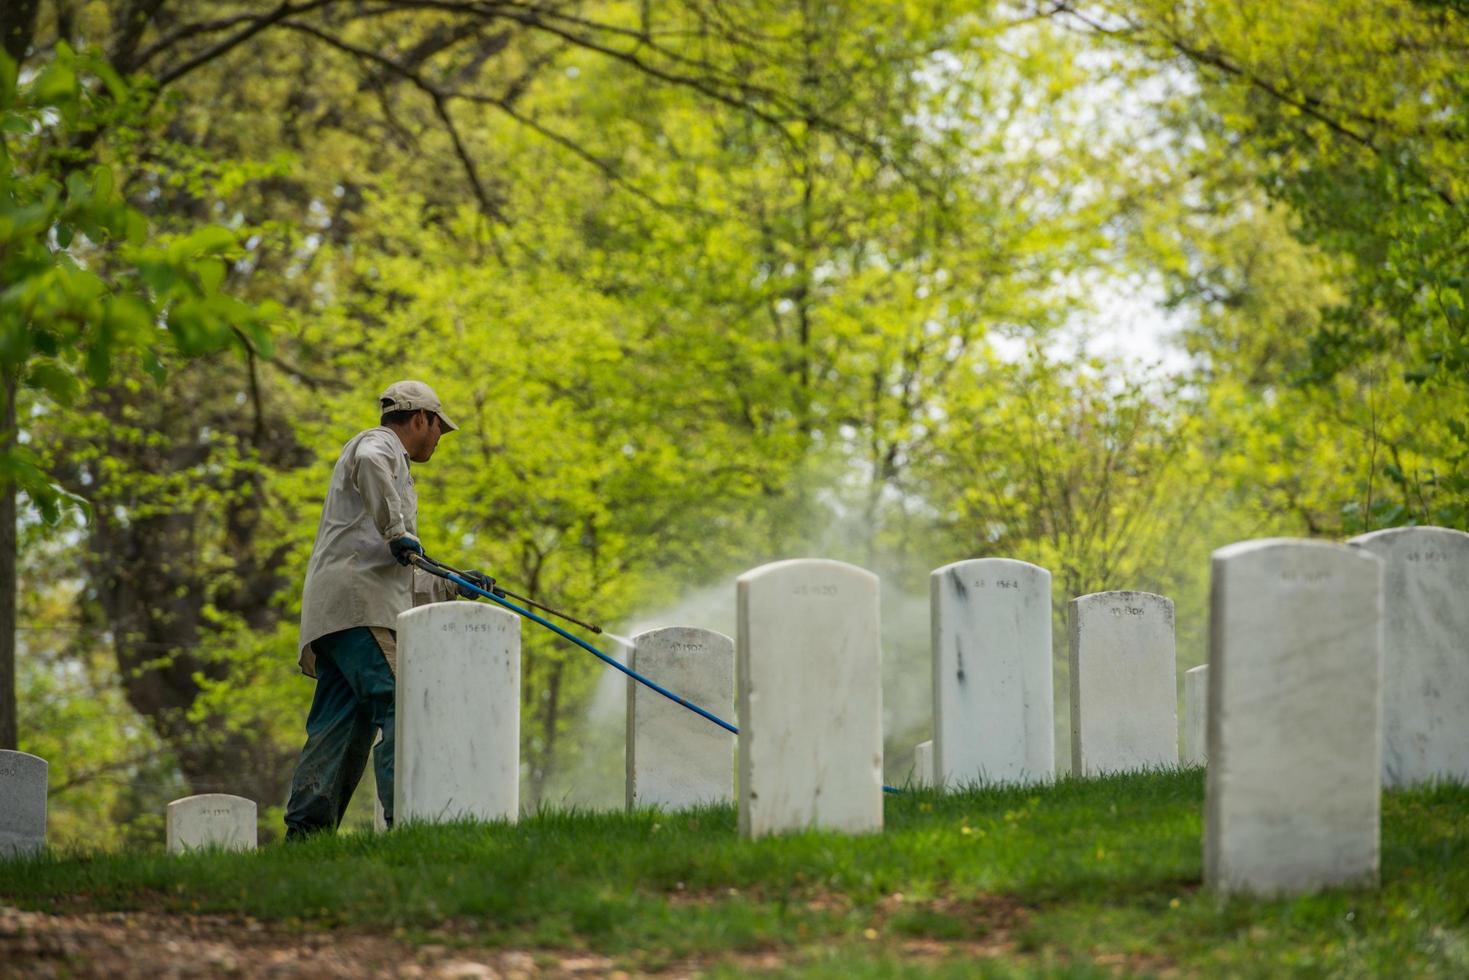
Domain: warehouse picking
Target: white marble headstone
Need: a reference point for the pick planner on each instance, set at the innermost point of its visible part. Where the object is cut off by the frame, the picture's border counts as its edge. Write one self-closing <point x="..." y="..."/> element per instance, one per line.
<point x="993" y="708"/>
<point x="1295" y="709"/>
<point x="676" y="758"/>
<point x="1195" y="715"/>
<point x="22" y="804"/>
<point x="923" y="763"/>
<point x="1124" y="689"/>
<point x="809" y="671"/>
<point x="211" y="820"/>
<point x="458" y="714"/>
<point x="1425" y="694"/>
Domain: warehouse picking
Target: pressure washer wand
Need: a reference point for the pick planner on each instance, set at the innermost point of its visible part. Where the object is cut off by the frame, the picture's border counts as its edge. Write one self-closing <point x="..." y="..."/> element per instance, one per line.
<point x="499" y="590"/>
<point x="452" y="574"/>
<point x="592" y="627"/>
<point x="448" y="572"/>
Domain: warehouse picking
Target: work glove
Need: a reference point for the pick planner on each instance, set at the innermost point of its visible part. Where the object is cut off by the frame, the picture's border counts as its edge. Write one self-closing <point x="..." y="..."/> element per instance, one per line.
<point x="404" y="545"/>
<point x="483" y="581"/>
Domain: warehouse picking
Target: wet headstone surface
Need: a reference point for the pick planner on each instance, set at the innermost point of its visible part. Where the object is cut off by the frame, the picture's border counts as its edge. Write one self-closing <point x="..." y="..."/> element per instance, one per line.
<point x="809" y="687"/>
<point x="1425" y="697"/>
<point x="993" y="706"/>
<point x="458" y="714"/>
<point x="1195" y="715"/>
<point x="22" y="804"/>
<point x="1124" y="693"/>
<point x="675" y="757"/>
<point x="211" y="820"/>
<point x="1294" y="745"/>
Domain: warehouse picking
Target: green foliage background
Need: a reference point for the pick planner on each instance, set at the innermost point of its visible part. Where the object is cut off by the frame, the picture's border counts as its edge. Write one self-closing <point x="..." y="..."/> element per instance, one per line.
<point x="706" y="291"/>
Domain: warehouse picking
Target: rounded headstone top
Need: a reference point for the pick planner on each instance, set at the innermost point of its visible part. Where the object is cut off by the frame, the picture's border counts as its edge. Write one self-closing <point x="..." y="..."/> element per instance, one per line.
<point x="806" y="566"/>
<point x="211" y="799"/>
<point x="680" y="634"/>
<point x="1261" y="546"/>
<point x="459" y="612"/>
<point x="1008" y="565"/>
<point x="1386" y="540"/>
<point x="22" y="760"/>
<point x="1123" y="595"/>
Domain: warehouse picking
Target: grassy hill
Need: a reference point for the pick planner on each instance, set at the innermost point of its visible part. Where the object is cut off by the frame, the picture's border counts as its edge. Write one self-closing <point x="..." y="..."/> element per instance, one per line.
<point x="1080" y="878"/>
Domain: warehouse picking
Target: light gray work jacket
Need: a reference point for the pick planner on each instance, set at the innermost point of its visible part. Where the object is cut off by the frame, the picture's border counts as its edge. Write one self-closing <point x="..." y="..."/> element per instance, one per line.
<point x="353" y="579"/>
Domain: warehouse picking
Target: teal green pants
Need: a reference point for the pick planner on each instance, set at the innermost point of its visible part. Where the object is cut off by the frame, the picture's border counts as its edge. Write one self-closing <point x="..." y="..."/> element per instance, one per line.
<point x="353" y="702"/>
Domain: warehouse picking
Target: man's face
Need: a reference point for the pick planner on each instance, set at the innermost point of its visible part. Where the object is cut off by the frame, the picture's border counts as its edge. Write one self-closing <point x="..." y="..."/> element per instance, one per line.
<point x="426" y="429"/>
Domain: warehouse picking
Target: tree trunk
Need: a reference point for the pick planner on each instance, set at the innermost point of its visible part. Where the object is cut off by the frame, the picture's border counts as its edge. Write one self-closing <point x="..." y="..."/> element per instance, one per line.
<point x="550" y="718"/>
<point x="9" y="730"/>
<point x="17" y="27"/>
<point x="157" y="565"/>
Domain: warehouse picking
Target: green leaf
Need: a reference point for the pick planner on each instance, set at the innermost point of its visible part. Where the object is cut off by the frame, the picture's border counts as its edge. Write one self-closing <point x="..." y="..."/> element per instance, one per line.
<point x="129" y="319"/>
<point x="55" y="380"/>
<point x="209" y="240"/>
<point x="116" y="87"/>
<point x="153" y="366"/>
<point x="102" y="182"/>
<point x="161" y="277"/>
<point x="78" y="189"/>
<point x="99" y="364"/>
<point x="56" y="85"/>
<point x="47" y="504"/>
<point x="210" y="273"/>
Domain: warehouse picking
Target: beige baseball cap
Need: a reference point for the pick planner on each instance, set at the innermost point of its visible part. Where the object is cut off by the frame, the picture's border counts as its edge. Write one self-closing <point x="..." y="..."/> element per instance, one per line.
<point x="409" y="396"/>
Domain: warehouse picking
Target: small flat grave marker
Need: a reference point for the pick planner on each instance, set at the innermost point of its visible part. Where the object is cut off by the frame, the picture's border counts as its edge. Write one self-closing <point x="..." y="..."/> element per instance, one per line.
<point x="923" y="763"/>
<point x="1195" y="715"/>
<point x="211" y="820"/>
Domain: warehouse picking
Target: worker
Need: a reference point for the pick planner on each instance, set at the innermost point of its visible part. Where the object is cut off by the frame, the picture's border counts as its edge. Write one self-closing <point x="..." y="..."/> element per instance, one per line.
<point x="359" y="579"/>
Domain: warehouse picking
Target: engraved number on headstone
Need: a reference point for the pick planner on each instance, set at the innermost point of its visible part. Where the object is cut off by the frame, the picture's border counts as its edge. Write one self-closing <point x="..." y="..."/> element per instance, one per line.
<point x="815" y="590"/>
<point x="1000" y="583"/>
<point x="1120" y="611"/>
<point x="1312" y="577"/>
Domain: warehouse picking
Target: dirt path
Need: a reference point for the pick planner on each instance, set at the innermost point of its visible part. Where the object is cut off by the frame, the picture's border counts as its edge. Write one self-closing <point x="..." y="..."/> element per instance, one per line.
<point x="158" y="946"/>
<point x="151" y="946"/>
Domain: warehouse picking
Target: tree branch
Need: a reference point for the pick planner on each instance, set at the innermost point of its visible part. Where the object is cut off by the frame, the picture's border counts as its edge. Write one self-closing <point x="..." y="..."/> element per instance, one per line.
<point x="195" y="29"/>
<point x="1312" y="106"/>
<point x="312" y="380"/>
<point x="435" y="94"/>
<point x="252" y="27"/>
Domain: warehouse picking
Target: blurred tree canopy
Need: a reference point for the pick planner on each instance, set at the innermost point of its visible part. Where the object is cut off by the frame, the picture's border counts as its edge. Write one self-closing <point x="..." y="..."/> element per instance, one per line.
<point x="704" y="285"/>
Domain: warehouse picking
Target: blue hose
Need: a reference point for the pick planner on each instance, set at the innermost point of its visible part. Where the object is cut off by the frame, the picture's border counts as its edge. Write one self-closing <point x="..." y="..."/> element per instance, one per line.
<point x="445" y="572"/>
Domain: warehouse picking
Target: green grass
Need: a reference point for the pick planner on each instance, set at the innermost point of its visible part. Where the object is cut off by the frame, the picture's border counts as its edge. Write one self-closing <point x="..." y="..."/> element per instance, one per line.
<point x="1076" y="879"/>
